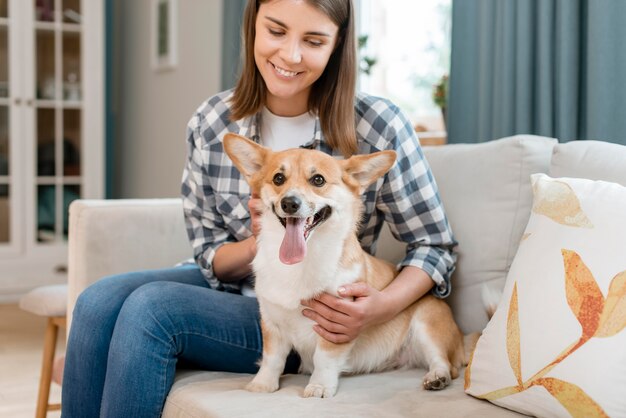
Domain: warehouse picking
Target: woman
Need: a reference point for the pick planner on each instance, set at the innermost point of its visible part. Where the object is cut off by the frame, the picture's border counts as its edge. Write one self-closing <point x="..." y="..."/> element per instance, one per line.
<point x="297" y="88"/>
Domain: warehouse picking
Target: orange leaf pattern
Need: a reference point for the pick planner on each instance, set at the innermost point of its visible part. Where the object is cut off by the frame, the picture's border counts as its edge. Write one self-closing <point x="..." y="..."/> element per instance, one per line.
<point x="572" y="397"/>
<point x="583" y="294"/>
<point x="613" y="319"/>
<point x="513" y="337"/>
<point x="558" y="202"/>
<point x="598" y="318"/>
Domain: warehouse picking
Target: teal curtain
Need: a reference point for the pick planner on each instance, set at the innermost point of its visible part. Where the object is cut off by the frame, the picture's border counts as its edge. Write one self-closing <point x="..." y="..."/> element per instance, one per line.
<point x="546" y="67"/>
<point x="231" y="41"/>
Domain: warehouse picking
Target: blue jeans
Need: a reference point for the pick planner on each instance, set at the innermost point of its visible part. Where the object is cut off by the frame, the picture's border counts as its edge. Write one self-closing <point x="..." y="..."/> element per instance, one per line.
<point x="129" y="332"/>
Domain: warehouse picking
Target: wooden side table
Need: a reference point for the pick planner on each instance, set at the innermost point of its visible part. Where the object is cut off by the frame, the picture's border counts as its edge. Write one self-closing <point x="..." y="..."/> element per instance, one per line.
<point x="432" y="138"/>
<point x="50" y="302"/>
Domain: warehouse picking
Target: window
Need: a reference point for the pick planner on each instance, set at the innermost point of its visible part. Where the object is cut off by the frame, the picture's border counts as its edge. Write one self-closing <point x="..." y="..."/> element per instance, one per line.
<point x="410" y="41"/>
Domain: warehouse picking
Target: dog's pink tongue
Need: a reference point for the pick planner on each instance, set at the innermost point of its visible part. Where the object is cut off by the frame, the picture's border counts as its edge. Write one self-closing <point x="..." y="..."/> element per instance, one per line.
<point x="293" y="248"/>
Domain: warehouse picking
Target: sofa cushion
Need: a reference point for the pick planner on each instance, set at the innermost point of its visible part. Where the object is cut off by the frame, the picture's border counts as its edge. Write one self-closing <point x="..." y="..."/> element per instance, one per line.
<point x="594" y="160"/>
<point x="555" y="345"/>
<point x="392" y="394"/>
<point x="487" y="196"/>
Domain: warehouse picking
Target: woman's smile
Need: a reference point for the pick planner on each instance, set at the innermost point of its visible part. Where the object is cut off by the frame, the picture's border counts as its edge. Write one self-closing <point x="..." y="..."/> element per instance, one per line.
<point x="285" y="73"/>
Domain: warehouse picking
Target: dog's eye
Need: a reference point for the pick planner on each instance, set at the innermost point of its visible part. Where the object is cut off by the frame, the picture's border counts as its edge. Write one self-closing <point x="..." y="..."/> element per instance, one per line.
<point x="278" y="179"/>
<point x="317" y="180"/>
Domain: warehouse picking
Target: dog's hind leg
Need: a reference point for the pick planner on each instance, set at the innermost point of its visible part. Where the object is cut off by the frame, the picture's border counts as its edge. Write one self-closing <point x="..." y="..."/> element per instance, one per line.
<point x="438" y="342"/>
<point x="439" y="367"/>
<point x="434" y="355"/>
<point x="275" y="352"/>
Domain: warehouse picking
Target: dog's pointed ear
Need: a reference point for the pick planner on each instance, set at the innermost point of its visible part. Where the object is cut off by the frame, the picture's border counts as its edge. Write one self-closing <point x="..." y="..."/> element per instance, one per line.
<point x="366" y="169"/>
<point x="247" y="155"/>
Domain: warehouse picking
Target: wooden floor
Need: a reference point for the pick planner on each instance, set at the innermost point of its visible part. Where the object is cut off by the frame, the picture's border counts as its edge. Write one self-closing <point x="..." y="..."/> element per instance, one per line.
<point x="21" y="349"/>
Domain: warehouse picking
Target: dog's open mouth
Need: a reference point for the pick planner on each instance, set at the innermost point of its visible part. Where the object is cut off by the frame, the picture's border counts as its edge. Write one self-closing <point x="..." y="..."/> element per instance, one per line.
<point x="297" y="231"/>
<point x="309" y="223"/>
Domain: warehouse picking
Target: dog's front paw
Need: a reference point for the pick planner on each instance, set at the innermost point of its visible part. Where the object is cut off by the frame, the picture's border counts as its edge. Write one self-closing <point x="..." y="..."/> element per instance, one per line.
<point x="263" y="387"/>
<point x="314" y="390"/>
<point x="436" y="380"/>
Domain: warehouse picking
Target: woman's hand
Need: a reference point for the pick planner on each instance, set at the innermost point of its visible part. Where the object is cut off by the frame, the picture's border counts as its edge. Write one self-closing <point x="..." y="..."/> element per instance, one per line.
<point x="341" y="319"/>
<point x="255" y="206"/>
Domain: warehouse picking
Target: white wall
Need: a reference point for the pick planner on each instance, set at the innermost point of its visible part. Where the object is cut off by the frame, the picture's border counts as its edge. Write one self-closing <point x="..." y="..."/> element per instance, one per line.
<point x="152" y="108"/>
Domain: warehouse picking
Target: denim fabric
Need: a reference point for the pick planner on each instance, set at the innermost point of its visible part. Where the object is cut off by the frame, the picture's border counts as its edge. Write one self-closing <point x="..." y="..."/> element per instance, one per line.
<point x="129" y="332"/>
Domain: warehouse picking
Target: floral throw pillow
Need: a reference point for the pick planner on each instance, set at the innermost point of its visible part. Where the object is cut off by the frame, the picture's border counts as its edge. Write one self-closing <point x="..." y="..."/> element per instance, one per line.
<point x="556" y="345"/>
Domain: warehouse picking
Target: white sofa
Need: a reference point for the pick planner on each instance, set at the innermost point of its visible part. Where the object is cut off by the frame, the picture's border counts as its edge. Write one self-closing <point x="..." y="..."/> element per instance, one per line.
<point x="487" y="195"/>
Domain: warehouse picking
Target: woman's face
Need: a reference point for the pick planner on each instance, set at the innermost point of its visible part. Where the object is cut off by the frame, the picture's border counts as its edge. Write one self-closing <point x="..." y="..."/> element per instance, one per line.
<point x="293" y="44"/>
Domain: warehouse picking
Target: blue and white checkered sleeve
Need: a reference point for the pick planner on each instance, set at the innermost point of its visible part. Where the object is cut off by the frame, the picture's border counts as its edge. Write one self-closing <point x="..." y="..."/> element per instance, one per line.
<point x="410" y="201"/>
<point x="205" y="226"/>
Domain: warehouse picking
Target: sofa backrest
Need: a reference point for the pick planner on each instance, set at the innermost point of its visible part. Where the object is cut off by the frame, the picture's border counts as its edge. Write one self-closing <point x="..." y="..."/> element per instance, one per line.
<point x="594" y="160"/>
<point x="487" y="195"/>
<point x="486" y="192"/>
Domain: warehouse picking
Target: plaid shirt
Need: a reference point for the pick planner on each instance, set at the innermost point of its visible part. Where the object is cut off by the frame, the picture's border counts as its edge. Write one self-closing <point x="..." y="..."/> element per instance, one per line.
<point x="215" y="196"/>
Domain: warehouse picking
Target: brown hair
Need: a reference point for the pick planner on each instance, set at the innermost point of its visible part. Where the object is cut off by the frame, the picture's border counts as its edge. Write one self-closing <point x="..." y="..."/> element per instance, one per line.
<point x="332" y="95"/>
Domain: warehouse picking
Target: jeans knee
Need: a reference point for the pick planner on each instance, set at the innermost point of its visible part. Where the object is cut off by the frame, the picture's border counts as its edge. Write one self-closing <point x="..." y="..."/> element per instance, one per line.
<point x="146" y="313"/>
<point x="149" y="301"/>
<point x="101" y="301"/>
<point x="91" y="303"/>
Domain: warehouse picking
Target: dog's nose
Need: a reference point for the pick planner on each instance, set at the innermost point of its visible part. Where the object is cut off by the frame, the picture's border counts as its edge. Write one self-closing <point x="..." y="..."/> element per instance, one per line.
<point x="290" y="204"/>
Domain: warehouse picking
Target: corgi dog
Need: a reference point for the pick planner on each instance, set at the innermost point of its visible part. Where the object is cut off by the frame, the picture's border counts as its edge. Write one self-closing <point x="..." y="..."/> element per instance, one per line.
<point x="308" y="245"/>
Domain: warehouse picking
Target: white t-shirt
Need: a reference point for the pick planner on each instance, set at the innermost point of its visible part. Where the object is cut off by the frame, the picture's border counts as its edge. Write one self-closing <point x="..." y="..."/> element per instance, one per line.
<point x="280" y="133"/>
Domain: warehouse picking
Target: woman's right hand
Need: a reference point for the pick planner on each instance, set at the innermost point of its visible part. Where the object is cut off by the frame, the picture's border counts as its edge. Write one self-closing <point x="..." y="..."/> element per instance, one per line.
<point x="255" y="206"/>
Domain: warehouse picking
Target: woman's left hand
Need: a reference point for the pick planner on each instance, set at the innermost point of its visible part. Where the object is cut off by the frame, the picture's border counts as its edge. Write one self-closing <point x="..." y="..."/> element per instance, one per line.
<point x="341" y="319"/>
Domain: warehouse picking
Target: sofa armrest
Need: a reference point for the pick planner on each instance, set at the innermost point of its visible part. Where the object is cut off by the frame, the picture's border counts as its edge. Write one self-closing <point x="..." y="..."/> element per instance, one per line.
<point x="115" y="236"/>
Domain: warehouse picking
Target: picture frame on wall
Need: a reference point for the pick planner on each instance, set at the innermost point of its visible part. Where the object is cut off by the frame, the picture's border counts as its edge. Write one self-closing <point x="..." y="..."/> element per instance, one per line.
<point x="164" y="34"/>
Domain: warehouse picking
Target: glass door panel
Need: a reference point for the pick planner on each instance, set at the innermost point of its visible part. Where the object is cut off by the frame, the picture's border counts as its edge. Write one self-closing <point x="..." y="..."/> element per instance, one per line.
<point x="71" y="11"/>
<point x="4" y="8"/>
<point x="4" y="140"/>
<point x="5" y="112"/>
<point x="70" y="193"/>
<point x="45" y="76"/>
<point x="71" y="142"/>
<point x="44" y="10"/>
<point x="71" y="66"/>
<point x="46" y="213"/>
<point x="4" y="60"/>
<point x="46" y="149"/>
<point x="5" y="214"/>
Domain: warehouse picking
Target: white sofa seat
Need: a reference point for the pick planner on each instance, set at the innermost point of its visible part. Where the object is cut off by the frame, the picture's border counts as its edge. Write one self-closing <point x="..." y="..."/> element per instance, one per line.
<point x="486" y="191"/>
<point x="391" y="394"/>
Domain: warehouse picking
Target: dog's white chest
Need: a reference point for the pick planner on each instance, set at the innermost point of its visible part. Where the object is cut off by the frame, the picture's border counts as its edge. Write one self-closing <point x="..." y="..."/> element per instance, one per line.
<point x="286" y="285"/>
<point x="294" y="327"/>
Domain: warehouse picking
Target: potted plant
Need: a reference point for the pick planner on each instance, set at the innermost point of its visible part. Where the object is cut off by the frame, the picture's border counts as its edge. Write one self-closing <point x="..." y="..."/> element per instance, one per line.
<point x="365" y="63"/>
<point x="440" y="96"/>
